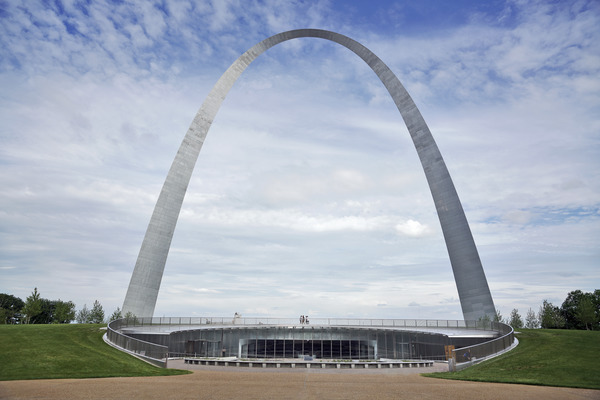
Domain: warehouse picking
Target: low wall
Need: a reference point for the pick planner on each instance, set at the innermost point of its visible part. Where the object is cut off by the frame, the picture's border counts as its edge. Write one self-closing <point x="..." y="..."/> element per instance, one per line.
<point x="152" y="353"/>
<point x="308" y="364"/>
<point x="120" y="332"/>
<point x="470" y="355"/>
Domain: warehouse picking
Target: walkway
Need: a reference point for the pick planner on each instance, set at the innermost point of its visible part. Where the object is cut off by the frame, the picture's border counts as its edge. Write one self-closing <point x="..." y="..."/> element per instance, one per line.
<point x="225" y="383"/>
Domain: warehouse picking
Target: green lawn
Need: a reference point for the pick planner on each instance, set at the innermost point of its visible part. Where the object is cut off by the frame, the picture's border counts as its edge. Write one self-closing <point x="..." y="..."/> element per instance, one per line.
<point x="543" y="357"/>
<point x="65" y="351"/>
<point x="546" y="357"/>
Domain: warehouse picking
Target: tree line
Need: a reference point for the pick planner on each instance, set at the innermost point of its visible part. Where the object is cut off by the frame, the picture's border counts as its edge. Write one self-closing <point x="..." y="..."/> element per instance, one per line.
<point x="37" y="310"/>
<point x="578" y="311"/>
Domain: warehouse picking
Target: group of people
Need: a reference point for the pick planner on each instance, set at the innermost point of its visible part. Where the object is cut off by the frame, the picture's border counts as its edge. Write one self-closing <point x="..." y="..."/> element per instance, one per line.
<point x="304" y="319"/>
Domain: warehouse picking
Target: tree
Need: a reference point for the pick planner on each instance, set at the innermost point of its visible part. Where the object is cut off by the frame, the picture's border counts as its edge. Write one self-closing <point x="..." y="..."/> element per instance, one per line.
<point x="596" y="302"/>
<point x="97" y="313"/>
<point x="83" y="315"/>
<point x="10" y="308"/>
<point x="515" y="319"/>
<point x="37" y="310"/>
<point x="64" y="312"/>
<point x="46" y="313"/>
<point x="550" y="316"/>
<point x="581" y="310"/>
<point x="33" y="306"/>
<point x="531" y="321"/>
<point x="498" y="316"/>
<point x="569" y="309"/>
<point x="131" y="318"/>
<point x="585" y="312"/>
<point x="484" y="322"/>
<point x="116" y="315"/>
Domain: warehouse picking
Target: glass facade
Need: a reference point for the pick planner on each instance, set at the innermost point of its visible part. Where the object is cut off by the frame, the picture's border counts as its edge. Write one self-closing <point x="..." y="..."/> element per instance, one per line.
<point x="326" y="338"/>
<point x="317" y="342"/>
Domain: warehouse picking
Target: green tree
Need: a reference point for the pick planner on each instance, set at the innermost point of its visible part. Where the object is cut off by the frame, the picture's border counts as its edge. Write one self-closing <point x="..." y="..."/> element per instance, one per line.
<point x="131" y="318"/>
<point x="97" y="313"/>
<point x="83" y="315"/>
<point x="64" y="312"/>
<point x="515" y="319"/>
<point x="498" y="316"/>
<point x="531" y="321"/>
<point x="33" y="306"/>
<point x="46" y="313"/>
<point x="116" y="315"/>
<point x="596" y="302"/>
<point x="10" y="308"/>
<point x="585" y="312"/>
<point x="484" y="322"/>
<point x="569" y="309"/>
<point x="581" y="310"/>
<point x="550" y="316"/>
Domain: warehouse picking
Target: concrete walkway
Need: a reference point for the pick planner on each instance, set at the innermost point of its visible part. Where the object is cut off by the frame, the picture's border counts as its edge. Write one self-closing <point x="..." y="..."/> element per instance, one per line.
<point x="209" y="382"/>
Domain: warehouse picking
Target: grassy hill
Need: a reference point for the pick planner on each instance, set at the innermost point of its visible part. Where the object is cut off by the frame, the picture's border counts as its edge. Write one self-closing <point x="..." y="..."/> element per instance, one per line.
<point x="545" y="357"/>
<point x="65" y="351"/>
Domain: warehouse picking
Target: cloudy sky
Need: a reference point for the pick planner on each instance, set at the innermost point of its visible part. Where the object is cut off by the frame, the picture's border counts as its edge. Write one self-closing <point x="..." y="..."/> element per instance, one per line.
<point x="308" y="196"/>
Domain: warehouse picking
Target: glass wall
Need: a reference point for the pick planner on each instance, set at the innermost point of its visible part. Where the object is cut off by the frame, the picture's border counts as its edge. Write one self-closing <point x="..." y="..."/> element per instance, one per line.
<point x="328" y="338"/>
<point x="317" y="342"/>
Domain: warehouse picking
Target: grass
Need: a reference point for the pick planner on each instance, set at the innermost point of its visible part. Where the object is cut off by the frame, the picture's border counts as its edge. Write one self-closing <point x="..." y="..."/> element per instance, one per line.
<point x="544" y="357"/>
<point x="66" y="351"/>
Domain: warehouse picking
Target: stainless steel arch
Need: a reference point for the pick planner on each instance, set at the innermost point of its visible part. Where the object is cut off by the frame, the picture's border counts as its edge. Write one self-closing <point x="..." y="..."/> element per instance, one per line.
<point x="475" y="298"/>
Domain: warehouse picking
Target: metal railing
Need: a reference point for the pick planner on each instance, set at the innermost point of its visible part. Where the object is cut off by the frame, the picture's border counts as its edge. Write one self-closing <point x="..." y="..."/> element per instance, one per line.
<point x="158" y="354"/>
<point x="478" y="352"/>
<point x="243" y="321"/>
<point x="150" y="352"/>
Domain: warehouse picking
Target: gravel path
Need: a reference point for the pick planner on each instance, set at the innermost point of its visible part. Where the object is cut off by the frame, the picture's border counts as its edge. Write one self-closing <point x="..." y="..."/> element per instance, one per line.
<point x="227" y="383"/>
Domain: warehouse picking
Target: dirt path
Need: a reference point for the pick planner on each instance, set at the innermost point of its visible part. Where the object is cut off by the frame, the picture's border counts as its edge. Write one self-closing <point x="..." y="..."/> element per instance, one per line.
<point x="229" y="383"/>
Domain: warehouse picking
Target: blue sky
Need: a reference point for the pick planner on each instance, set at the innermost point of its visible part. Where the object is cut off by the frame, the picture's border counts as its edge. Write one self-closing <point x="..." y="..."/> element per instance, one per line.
<point x="308" y="196"/>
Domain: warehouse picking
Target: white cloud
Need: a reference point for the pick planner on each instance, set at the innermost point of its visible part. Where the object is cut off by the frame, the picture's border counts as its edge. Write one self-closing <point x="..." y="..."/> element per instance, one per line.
<point x="412" y="228"/>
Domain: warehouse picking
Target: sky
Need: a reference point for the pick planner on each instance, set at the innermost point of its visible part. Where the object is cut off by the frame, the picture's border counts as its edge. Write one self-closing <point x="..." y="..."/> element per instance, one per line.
<point x="308" y="196"/>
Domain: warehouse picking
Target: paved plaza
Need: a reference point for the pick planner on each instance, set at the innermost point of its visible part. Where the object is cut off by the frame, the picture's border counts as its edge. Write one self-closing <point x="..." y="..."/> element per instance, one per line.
<point x="228" y="383"/>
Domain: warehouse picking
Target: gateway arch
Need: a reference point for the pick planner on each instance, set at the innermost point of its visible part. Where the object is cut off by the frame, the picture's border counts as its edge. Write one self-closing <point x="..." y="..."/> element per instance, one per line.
<point x="475" y="297"/>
